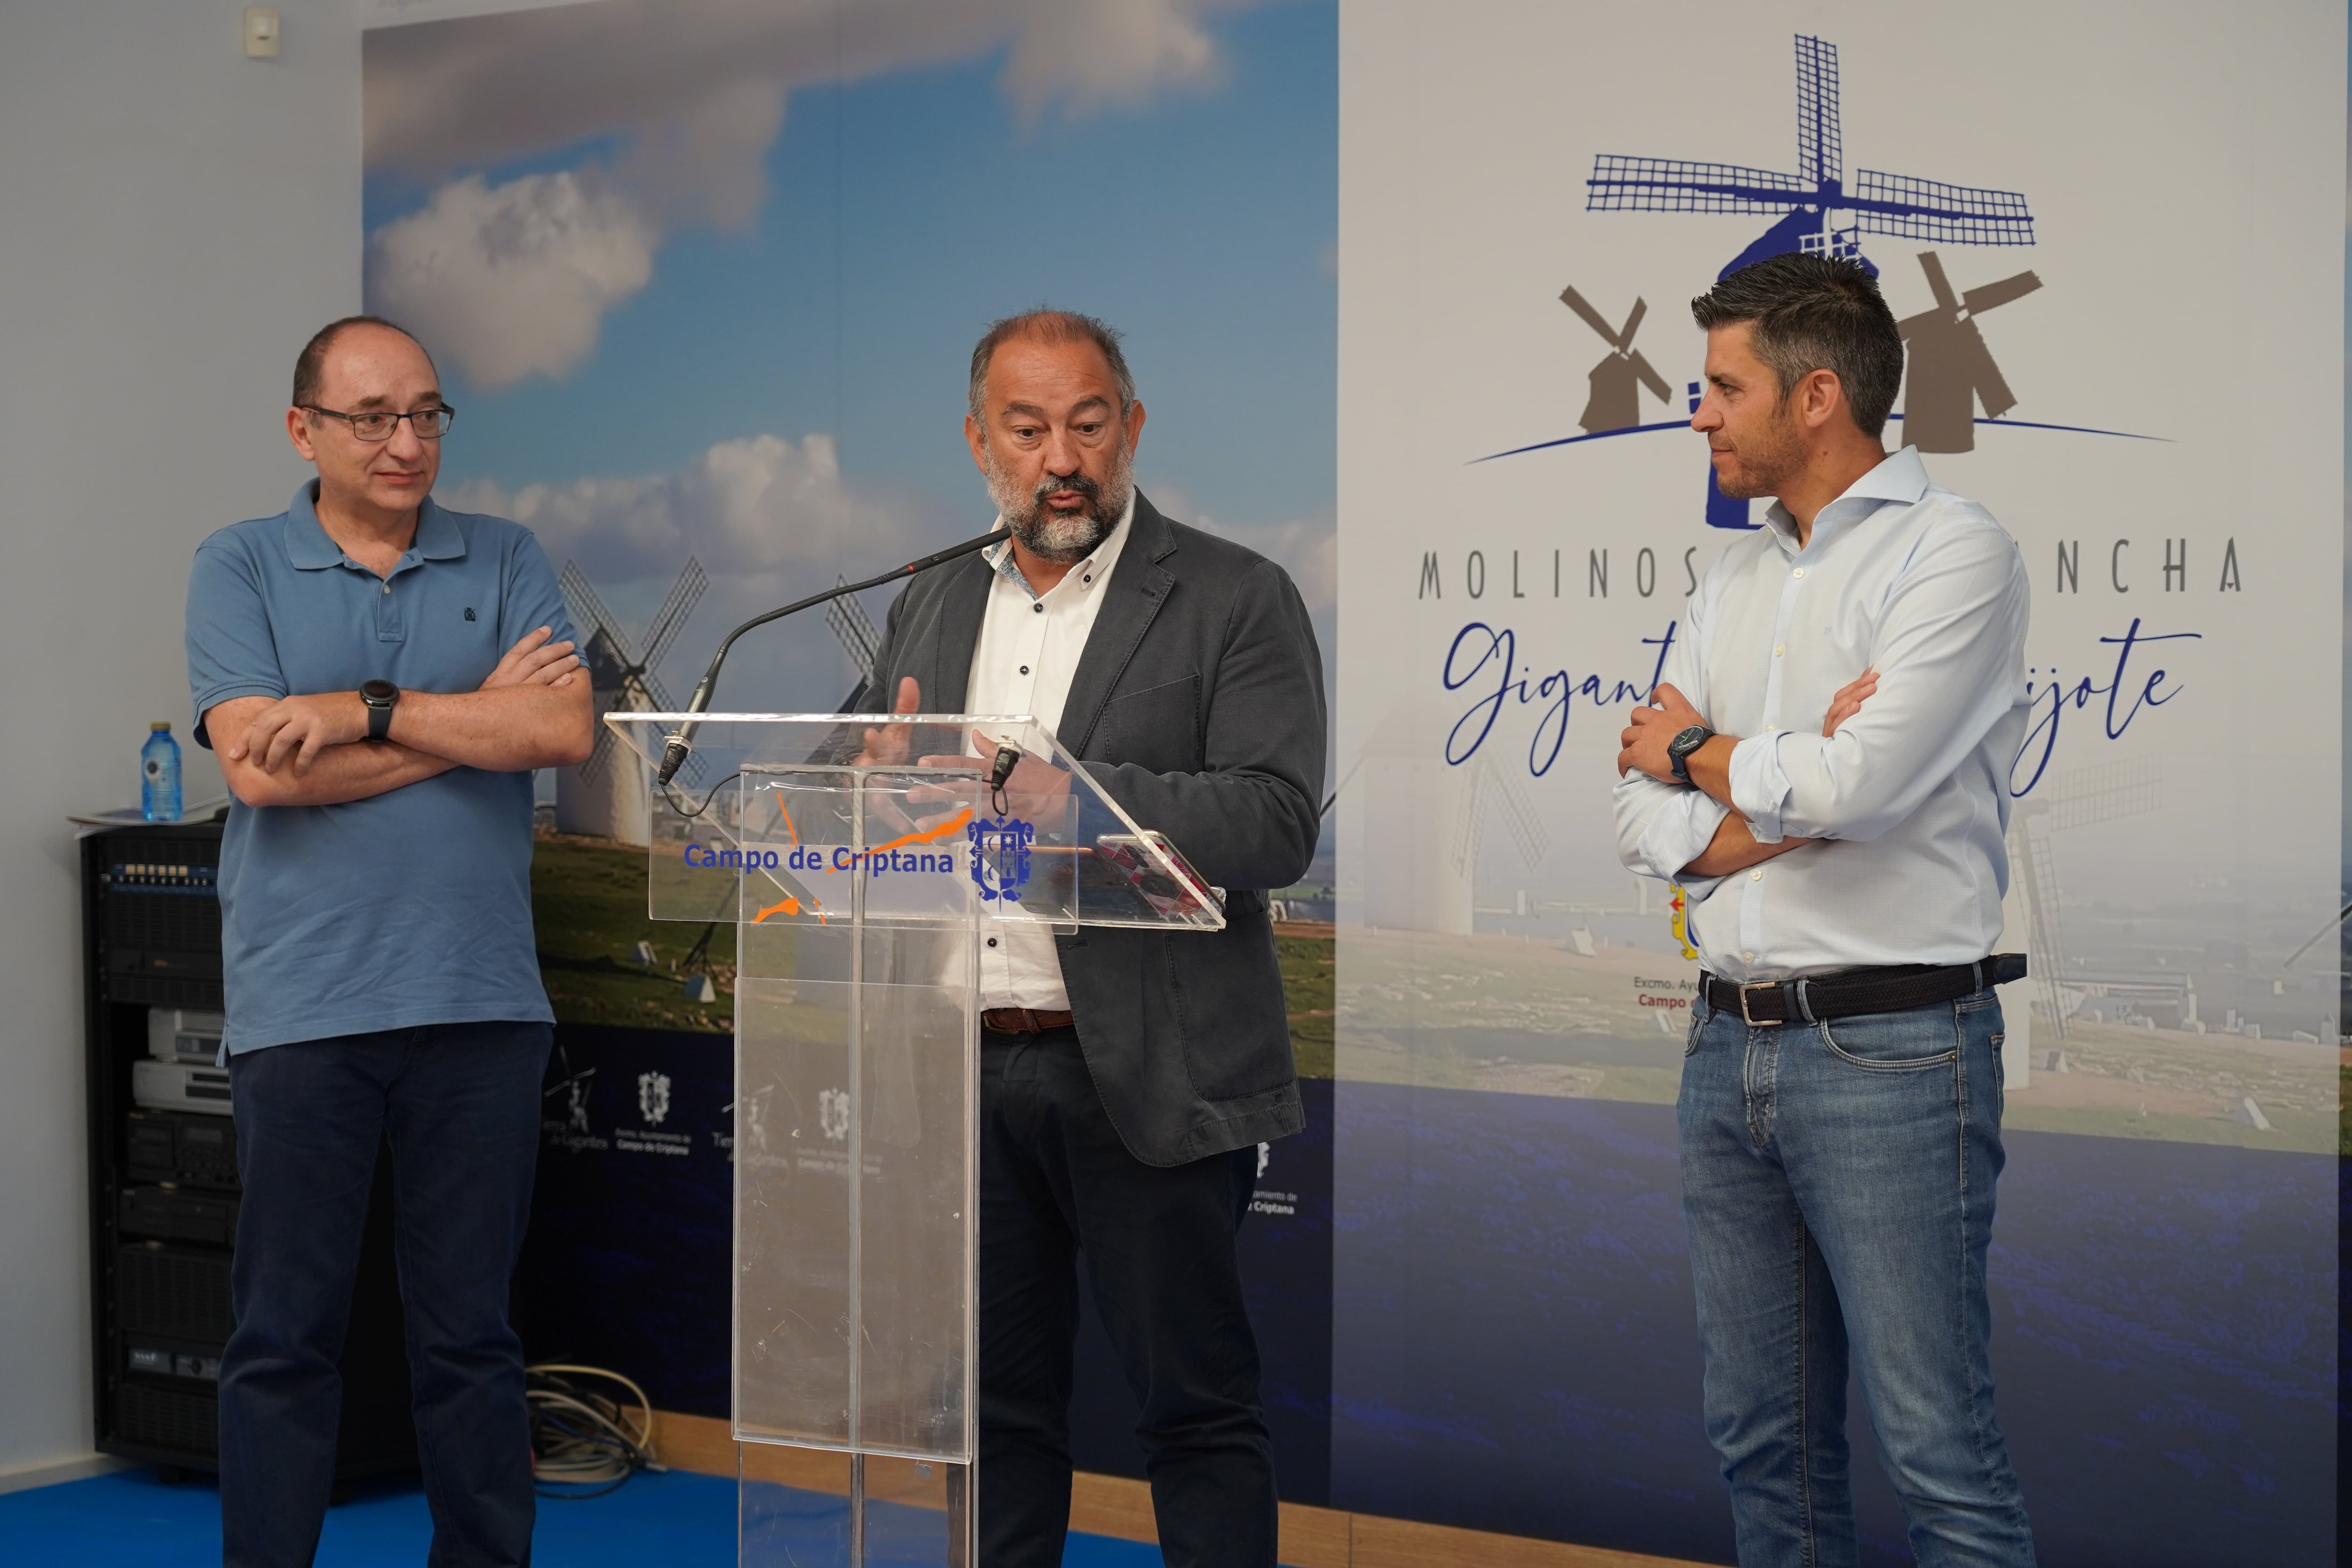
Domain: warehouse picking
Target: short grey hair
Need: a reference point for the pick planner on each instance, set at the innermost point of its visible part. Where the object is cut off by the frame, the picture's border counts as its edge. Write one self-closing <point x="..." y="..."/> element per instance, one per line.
<point x="1816" y="312"/>
<point x="1048" y="326"/>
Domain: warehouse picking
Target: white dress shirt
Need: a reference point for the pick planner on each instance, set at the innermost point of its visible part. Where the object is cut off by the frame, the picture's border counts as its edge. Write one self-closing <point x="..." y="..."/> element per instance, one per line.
<point x="1028" y="651"/>
<point x="1911" y="796"/>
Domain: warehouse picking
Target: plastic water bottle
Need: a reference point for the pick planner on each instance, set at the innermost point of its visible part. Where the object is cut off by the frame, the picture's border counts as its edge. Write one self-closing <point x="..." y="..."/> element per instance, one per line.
<point x="159" y="767"/>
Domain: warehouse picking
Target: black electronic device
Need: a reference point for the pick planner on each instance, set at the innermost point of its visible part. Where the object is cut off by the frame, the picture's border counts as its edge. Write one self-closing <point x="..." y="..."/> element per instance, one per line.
<point x="186" y="1148"/>
<point x="1679" y="748"/>
<point x="164" y="1193"/>
<point x="381" y="697"/>
<point x="178" y="1214"/>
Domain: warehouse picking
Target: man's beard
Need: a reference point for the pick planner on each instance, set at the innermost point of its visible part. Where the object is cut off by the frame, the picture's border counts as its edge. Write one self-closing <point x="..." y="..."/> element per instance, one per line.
<point x="1765" y="467"/>
<point x="1064" y="535"/>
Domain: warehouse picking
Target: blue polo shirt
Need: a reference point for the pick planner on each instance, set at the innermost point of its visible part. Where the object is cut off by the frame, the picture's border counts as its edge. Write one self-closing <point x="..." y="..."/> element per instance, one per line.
<point x="412" y="907"/>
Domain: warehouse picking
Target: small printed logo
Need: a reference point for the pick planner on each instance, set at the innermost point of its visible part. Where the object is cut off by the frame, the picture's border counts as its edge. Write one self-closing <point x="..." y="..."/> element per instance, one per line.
<point x="833" y="1114"/>
<point x="1265" y="1158"/>
<point x="578" y="1089"/>
<point x="469" y="612"/>
<point x="1000" y="856"/>
<point x="653" y="1097"/>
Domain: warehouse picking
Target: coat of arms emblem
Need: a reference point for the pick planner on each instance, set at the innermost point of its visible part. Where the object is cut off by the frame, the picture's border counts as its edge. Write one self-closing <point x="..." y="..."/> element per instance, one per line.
<point x="653" y="1097"/>
<point x="1000" y="856"/>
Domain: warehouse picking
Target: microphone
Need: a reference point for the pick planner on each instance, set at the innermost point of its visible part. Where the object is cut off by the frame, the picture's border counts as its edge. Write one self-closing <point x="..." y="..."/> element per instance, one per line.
<point x="1008" y="757"/>
<point x="679" y="744"/>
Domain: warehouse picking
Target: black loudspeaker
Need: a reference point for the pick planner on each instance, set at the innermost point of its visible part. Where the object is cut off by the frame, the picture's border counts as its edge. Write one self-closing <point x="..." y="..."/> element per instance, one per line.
<point x="164" y="1185"/>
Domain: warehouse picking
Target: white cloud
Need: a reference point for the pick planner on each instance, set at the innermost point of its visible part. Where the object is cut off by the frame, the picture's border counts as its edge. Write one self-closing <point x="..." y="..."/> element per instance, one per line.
<point x="771" y="519"/>
<point x="767" y="517"/>
<point x="1085" y="54"/>
<point x="444" y="95"/>
<point x="512" y="280"/>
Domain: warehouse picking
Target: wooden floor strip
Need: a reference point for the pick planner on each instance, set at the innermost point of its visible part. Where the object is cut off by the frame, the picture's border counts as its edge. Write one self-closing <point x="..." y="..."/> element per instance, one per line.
<point x="1120" y="1508"/>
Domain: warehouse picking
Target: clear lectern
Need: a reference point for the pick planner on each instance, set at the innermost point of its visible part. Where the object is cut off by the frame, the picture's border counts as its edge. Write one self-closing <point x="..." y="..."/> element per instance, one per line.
<point x="864" y="861"/>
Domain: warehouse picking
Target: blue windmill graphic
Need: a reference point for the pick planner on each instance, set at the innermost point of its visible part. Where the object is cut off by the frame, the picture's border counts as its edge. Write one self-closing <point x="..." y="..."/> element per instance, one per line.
<point x="1820" y="214"/>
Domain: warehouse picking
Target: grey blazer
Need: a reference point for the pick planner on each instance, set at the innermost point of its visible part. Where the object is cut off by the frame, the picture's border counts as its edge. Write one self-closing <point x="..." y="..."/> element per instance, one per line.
<point x="1198" y="705"/>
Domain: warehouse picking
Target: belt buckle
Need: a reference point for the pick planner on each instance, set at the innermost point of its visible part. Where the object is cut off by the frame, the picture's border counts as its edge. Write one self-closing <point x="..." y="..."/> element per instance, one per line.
<point x="1753" y="1021"/>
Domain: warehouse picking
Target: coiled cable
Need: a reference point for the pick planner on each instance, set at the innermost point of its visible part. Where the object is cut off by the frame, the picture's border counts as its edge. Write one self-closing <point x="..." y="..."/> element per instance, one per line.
<point x="585" y="1444"/>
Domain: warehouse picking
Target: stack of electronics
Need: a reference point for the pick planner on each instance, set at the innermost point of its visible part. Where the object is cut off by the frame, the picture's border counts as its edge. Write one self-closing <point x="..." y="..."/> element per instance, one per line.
<point x="176" y="1220"/>
<point x="164" y="1187"/>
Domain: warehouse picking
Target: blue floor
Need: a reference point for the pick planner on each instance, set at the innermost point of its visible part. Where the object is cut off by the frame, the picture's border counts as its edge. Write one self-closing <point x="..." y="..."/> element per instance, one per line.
<point x="132" y="1520"/>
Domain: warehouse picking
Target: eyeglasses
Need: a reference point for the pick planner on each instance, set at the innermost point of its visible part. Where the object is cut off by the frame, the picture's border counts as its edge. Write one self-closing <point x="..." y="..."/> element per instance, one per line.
<point x="377" y="424"/>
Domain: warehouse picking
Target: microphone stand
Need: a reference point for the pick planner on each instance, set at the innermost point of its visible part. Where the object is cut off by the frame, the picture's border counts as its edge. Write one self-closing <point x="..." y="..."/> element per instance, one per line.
<point x="679" y="742"/>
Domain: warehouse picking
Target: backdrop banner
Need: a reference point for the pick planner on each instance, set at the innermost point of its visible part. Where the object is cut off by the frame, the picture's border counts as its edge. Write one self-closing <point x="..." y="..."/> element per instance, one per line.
<point x="704" y="279"/>
<point x="2117" y="250"/>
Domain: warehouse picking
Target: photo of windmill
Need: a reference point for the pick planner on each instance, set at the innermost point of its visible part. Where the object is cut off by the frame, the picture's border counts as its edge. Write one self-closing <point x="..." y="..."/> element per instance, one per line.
<point x="1617" y="381"/>
<point x="605" y="795"/>
<point x="2139" y="1018"/>
<point x="2120" y="1045"/>
<point x="605" y="961"/>
<point x="1819" y="215"/>
<point x="602" y="959"/>
<point x="1950" y="370"/>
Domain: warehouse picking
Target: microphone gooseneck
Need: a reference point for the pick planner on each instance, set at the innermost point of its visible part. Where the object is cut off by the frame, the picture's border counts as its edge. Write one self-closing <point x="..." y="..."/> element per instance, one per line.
<point x="679" y="744"/>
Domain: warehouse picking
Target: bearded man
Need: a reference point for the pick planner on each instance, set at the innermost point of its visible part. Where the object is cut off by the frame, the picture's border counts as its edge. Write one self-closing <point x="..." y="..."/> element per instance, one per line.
<point x="1126" y="1077"/>
<point x="1825" y="770"/>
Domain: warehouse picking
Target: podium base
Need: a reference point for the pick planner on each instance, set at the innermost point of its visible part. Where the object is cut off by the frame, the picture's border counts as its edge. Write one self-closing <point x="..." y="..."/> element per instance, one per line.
<point x="811" y="1508"/>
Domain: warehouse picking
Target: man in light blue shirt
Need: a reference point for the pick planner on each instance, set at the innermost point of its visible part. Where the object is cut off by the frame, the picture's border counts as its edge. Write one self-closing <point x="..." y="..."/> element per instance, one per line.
<point x="1825" y="770"/>
<point x="379" y="677"/>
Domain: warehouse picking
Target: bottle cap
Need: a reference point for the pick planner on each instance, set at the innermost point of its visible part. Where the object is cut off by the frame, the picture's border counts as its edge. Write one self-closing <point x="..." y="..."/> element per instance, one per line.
<point x="159" y="724"/>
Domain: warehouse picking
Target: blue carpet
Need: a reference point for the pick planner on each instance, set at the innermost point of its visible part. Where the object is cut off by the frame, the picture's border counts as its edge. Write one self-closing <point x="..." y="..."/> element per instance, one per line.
<point x="679" y="1520"/>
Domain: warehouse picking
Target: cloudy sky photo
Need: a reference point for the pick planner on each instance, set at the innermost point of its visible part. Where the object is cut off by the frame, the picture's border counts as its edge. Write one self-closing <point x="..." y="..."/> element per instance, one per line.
<point x="704" y="277"/>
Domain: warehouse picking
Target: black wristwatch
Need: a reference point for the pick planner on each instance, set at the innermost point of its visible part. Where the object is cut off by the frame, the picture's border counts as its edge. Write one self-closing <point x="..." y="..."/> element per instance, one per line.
<point x="379" y="696"/>
<point x="1679" y="748"/>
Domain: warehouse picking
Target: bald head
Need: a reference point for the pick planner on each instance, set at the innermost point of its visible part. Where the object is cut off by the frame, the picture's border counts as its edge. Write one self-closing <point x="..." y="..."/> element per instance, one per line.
<point x="310" y="364"/>
<point x="1054" y="329"/>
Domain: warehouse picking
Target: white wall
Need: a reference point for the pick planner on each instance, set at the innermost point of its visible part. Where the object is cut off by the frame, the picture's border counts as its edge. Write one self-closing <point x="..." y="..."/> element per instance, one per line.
<point x="175" y="220"/>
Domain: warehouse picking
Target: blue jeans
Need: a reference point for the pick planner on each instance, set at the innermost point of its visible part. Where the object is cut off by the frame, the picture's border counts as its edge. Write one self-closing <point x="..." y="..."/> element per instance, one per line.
<point x="460" y="1105"/>
<point x="1838" y="1184"/>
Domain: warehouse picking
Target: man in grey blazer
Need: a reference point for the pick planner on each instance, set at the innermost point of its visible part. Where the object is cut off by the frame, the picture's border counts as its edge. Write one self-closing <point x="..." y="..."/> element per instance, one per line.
<point x="1126" y="1076"/>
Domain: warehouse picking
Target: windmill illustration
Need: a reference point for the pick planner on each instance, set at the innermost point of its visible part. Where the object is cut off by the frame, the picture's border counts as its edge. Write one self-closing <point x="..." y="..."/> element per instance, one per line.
<point x="1819" y="215"/>
<point x="1493" y="789"/>
<point x="1951" y="370"/>
<point x="2071" y="799"/>
<point x="601" y="796"/>
<point x="1617" y="381"/>
<point x="855" y="631"/>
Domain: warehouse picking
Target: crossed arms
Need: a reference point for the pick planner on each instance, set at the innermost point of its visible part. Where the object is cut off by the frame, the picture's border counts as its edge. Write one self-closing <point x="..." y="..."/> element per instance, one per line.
<point x="534" y="711"/>
<point x="1949" y="641"/>
<point x="1735" y="846"/>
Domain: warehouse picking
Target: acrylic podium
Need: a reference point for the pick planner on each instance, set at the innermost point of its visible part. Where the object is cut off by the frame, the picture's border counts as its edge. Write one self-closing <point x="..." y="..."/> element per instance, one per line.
<point x="862" y="878"/>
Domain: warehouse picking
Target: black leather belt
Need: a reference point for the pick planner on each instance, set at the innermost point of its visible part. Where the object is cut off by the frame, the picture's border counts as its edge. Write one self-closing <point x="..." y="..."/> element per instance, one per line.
<point x="1894" y="988"/>
<point x="1022" y="1021"/>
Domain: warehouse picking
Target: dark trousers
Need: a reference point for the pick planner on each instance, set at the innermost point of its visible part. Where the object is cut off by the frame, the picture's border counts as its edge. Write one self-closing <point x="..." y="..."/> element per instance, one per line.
<point x="460" y="1106"/>
<point x="1056" y="1182"/>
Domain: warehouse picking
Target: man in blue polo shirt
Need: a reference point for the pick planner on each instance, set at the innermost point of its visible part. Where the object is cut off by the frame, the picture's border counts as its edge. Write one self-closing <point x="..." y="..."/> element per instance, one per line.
<point x="379" y="676"/>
